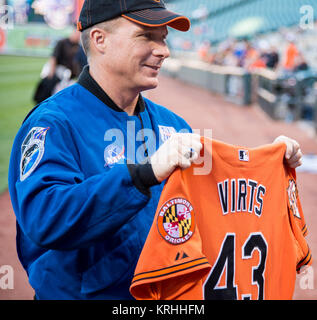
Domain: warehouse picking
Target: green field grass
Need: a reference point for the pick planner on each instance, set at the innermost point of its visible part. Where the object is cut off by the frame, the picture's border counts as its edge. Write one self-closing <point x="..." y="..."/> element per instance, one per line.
<point x="18" y="78"/>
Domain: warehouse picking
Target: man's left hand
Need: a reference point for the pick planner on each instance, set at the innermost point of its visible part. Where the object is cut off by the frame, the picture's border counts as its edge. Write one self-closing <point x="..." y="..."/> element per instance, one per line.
<point x="293" y="154"/>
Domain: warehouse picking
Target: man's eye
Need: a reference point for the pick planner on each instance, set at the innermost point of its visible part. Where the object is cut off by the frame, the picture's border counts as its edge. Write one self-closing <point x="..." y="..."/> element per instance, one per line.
<point x="153" y="37"/>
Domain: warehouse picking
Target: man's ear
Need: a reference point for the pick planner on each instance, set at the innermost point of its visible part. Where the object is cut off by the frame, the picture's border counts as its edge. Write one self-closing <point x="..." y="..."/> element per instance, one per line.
<point x="98" y="39"/>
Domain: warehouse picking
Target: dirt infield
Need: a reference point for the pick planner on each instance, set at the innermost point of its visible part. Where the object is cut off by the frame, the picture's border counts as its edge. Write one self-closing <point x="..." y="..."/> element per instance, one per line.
<point x="247" y="126"/>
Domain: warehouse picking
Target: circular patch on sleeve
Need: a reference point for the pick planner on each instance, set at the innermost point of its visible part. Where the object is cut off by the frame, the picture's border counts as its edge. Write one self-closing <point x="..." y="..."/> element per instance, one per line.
<point x="176" y="221"/>
<point x="32" y="151"/>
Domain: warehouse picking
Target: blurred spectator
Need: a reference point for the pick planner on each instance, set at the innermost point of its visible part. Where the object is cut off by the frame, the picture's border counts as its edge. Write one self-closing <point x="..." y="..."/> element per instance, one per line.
<point x="256" y="56"/>
<point x="290" y="54"/>
<point x="65" y="54"/>
<point x="272" y="58"/>
<point x="251" y="54"/>
<point x="258" y="62"/>
<point x="263" y="52"/>
<point x="204" y="52"/>
<point x="300" y="63"/>
<point x="229" y="58"/>
<point x="239" y="51"/>
<point x="65" y="64"/>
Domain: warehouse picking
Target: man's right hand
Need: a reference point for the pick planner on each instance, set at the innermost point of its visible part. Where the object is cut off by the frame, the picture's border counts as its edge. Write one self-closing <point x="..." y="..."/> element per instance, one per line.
<point x="180" y="150"/>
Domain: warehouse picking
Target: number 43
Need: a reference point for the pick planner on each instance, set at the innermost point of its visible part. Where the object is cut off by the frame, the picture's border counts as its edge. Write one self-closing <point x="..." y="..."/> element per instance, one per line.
<point x="226" y="258"/>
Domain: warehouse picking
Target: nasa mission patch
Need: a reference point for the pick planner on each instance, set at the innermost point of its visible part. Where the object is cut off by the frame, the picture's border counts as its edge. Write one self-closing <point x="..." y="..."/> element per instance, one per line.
<point x="32" y="151"/>
<point x="176" y="221"/>
<point x="113" y="154"/>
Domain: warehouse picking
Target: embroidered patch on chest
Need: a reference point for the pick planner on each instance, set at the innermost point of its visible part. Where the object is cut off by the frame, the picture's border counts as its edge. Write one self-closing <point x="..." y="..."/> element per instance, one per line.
<point x="113" y="154"/>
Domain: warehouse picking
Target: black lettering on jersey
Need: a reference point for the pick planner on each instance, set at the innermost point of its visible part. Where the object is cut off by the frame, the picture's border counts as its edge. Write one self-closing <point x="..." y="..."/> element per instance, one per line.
<point x="233" y="195"/>
<point x="223" y="195"/>
<point x="252" y="184"/>
<point x="245" y="196"/>
<point x="259" y="199"/>
<point x="242" y="195"/>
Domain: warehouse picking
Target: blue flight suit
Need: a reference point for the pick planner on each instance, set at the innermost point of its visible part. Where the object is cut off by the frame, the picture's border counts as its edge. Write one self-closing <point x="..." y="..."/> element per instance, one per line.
<point x="83" y="205"/>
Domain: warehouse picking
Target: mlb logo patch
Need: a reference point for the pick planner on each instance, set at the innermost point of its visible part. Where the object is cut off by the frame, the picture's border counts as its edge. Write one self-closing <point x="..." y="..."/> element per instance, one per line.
<point x="244" y="155"/>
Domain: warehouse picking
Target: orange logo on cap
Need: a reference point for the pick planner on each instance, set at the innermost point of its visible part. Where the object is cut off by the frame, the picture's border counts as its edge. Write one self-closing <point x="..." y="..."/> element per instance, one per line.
<point x="157" y="1"/>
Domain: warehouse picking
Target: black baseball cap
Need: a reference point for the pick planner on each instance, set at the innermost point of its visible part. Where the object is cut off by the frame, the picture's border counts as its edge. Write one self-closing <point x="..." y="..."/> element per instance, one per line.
<point x="152" y="13"/>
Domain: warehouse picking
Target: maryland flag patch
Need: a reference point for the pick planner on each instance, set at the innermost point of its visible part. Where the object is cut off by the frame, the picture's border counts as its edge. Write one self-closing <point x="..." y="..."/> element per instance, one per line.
<point x="176" y="221"/>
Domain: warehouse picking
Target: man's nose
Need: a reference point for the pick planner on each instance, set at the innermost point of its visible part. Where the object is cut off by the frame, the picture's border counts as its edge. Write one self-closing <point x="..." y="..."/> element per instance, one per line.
<point x="161" y="50"/>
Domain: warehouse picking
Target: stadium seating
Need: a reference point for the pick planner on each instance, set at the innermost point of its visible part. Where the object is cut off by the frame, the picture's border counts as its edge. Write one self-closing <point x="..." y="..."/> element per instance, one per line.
<point x="238" y="18"/>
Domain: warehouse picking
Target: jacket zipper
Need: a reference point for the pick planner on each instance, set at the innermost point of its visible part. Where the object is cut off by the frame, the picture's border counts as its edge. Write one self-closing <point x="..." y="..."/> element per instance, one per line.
<point x="143" y="138"/>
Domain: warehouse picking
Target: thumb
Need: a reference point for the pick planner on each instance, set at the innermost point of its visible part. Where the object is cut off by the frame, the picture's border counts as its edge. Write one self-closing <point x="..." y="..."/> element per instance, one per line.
<point x="292" y="148"/>
<point x="288" y="152"/>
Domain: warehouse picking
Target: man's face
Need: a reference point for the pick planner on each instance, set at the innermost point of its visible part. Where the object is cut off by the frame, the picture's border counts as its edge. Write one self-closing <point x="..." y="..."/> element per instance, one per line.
<point x="135" y="54"/>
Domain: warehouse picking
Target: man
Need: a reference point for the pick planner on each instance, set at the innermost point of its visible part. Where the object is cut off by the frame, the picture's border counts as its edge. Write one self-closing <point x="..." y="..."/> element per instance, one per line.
<point x="64" y="64"/>
<point x="65" y="54"/>
<point x="87" y="165"/>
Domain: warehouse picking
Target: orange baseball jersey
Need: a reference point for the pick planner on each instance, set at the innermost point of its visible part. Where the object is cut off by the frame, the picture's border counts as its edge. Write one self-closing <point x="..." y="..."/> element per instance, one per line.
<point x="237" y="232"/>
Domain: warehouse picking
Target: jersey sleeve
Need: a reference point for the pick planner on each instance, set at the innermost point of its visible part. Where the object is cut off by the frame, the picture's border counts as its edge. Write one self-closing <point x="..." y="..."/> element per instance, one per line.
<point x="297" y="221"/>
<point x="172" y="264"/>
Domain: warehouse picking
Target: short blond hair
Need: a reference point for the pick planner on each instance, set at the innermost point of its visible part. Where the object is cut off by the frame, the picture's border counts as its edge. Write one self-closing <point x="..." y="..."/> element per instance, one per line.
<point x="108" y="26"/>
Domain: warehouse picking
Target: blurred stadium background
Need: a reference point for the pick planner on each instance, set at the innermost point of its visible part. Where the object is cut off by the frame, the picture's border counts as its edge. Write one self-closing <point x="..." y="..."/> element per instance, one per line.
<point x="248" y="69"/>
